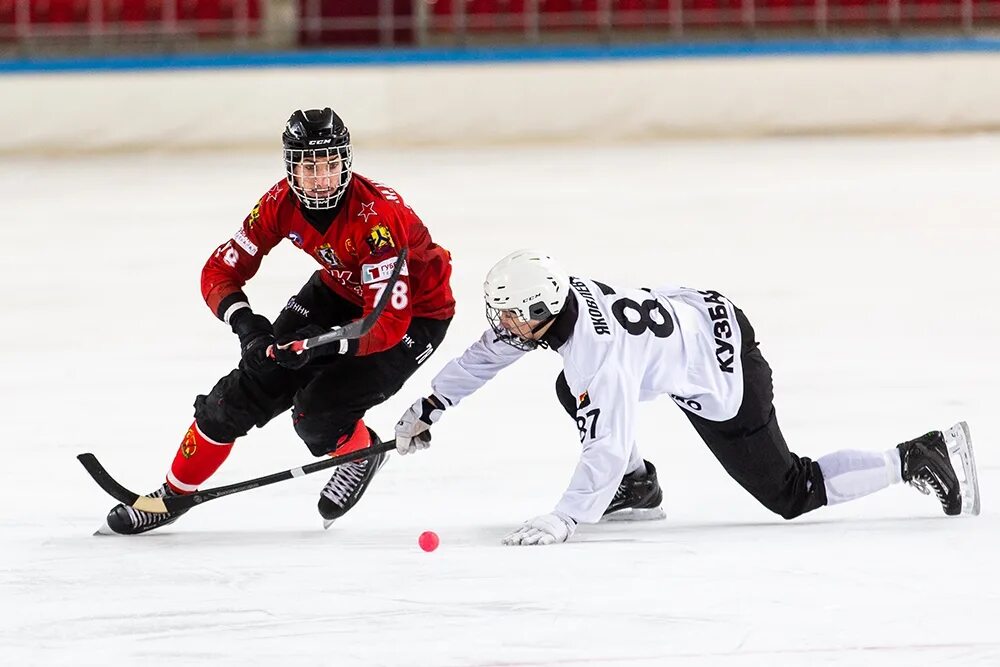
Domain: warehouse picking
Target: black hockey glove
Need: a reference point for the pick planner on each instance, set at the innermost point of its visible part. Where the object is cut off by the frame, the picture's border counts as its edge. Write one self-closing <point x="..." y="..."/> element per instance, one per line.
<point x="285" y="356"/>
<point x="256" y="334"/>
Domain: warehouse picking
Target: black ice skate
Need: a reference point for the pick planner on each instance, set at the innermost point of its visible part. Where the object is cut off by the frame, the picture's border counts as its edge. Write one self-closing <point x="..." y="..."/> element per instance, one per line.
<point x="927" y="467"/>
<point x="637" y="498"/>
<point x="348" y="483"/>
<point x="126" y="520"/>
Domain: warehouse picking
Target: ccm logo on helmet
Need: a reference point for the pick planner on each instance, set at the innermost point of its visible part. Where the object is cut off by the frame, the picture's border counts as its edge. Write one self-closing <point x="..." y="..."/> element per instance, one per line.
<point x="319" y="142"/>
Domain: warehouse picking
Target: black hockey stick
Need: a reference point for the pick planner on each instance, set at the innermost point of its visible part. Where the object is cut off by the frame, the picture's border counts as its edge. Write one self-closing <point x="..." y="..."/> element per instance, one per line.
<point x="177" y="503"/>
<point x="357" y="328"/>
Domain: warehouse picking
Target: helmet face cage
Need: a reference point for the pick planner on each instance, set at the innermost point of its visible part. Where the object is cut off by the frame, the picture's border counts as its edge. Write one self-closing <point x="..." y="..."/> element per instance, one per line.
<point x="319" y="176"/>
<point x="537" y="312"/>
<point x="493" y="315"/>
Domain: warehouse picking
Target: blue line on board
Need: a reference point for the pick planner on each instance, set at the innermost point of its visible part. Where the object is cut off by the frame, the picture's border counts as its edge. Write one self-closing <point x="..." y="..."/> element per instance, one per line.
<point x="416" y="57"/>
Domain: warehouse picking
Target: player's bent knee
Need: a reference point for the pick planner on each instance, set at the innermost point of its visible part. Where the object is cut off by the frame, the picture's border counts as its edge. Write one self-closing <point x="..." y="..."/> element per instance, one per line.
<point x="785" y="507"/>
<point x="793" y="491"/>
<point x="218" y="422"/>
<point x="790" y="513"/>
<point x="794" y="499"/>
<point x="321" y="434"/>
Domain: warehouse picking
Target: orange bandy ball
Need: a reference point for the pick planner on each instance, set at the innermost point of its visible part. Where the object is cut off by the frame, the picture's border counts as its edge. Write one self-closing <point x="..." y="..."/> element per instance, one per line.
<point x="428" y="540"/>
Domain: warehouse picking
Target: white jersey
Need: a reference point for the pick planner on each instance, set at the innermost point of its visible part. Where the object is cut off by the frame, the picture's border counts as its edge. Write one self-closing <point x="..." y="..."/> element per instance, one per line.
<point x="623" y="346"/>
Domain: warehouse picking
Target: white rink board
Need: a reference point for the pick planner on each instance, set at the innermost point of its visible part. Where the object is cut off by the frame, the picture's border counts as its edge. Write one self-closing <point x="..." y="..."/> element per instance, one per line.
<point x="588" y="102"/>
<point x="868" y="268"/>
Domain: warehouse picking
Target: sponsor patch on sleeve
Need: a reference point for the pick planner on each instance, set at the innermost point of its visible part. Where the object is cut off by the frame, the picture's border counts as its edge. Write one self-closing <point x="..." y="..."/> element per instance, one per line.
<point x="376" y="273"/>
<point x="243" y="241"/>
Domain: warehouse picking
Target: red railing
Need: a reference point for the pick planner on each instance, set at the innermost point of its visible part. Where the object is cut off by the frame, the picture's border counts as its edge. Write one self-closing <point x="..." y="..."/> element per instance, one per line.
<point x="403" y="22"/>
<point x="519" y="15"/>
<point x="99" y="18"/>
<point x="458" y="21"/>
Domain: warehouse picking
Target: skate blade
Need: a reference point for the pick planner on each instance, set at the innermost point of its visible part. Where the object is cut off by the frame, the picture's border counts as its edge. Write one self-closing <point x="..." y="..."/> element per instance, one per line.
<point x="959" y="442"/>
<point x="633" y="514"/>
<point x="327" y="523"/>
<point x="104" y="530"/>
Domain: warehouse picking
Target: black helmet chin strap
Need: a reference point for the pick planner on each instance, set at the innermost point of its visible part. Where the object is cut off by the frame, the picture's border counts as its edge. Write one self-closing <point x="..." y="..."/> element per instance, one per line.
<point x="541" y="325"/>
<point x="538" y="327"/>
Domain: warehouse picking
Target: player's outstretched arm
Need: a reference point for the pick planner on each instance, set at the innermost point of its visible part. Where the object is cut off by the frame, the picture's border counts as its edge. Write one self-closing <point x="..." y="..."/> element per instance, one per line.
<point x="459" y="378"/>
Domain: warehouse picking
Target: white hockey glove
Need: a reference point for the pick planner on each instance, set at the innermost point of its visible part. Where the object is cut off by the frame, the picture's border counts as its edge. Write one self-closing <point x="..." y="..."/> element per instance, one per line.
<point x="413" y="428"/>
<point x="545" y="529"/>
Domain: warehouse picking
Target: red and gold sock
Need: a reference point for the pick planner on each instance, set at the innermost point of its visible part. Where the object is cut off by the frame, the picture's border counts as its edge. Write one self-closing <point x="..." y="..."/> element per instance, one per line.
<point x="197" y="459"/>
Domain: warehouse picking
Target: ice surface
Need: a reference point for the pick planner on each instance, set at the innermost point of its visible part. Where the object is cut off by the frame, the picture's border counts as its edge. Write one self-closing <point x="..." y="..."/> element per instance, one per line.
<point x="868" y="267"/>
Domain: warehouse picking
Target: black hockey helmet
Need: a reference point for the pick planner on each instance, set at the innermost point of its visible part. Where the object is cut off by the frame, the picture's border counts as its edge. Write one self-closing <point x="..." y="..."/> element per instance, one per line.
<point x="318" y="157"/>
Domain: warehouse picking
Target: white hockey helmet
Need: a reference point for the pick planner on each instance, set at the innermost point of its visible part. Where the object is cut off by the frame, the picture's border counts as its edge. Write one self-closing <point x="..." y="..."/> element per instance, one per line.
<point x="528" y="284"/>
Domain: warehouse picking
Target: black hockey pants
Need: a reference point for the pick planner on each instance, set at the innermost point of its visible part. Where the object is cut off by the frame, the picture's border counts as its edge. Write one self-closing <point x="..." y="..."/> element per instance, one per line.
<point x="328" y="395"/>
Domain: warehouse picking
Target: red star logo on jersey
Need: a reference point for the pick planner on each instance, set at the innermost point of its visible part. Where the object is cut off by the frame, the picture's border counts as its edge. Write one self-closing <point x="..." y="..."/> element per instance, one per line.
<point x="272" y="194"/>
<point x="367" y="210"/>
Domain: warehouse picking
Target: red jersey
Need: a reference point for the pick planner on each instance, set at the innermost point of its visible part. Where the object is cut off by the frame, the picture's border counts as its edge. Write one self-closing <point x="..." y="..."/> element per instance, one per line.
<point x="357" y="252"/>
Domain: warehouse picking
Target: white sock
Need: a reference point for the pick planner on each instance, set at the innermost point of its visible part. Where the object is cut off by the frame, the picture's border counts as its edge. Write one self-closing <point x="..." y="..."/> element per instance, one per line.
<point x="895" y="465"/>
<point x="635" y="462"/>
<point x="850" y="474"/>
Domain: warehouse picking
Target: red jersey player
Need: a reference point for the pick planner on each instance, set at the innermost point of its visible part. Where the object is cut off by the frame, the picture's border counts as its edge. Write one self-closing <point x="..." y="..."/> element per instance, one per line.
<point x="354" y="228"/>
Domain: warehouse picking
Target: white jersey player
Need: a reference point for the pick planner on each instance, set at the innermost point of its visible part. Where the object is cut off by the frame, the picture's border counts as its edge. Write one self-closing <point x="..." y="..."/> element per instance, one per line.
<point x="621" y="346"/>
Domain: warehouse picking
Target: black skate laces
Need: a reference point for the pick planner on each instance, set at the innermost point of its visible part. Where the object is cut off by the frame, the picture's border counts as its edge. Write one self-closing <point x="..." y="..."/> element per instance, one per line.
<point x="629" y="486"/>
<point x="925" y="481"/>
<point x="623" y="489"/>
<point x="346" y="480"/>
<point x="142" y="519"/>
